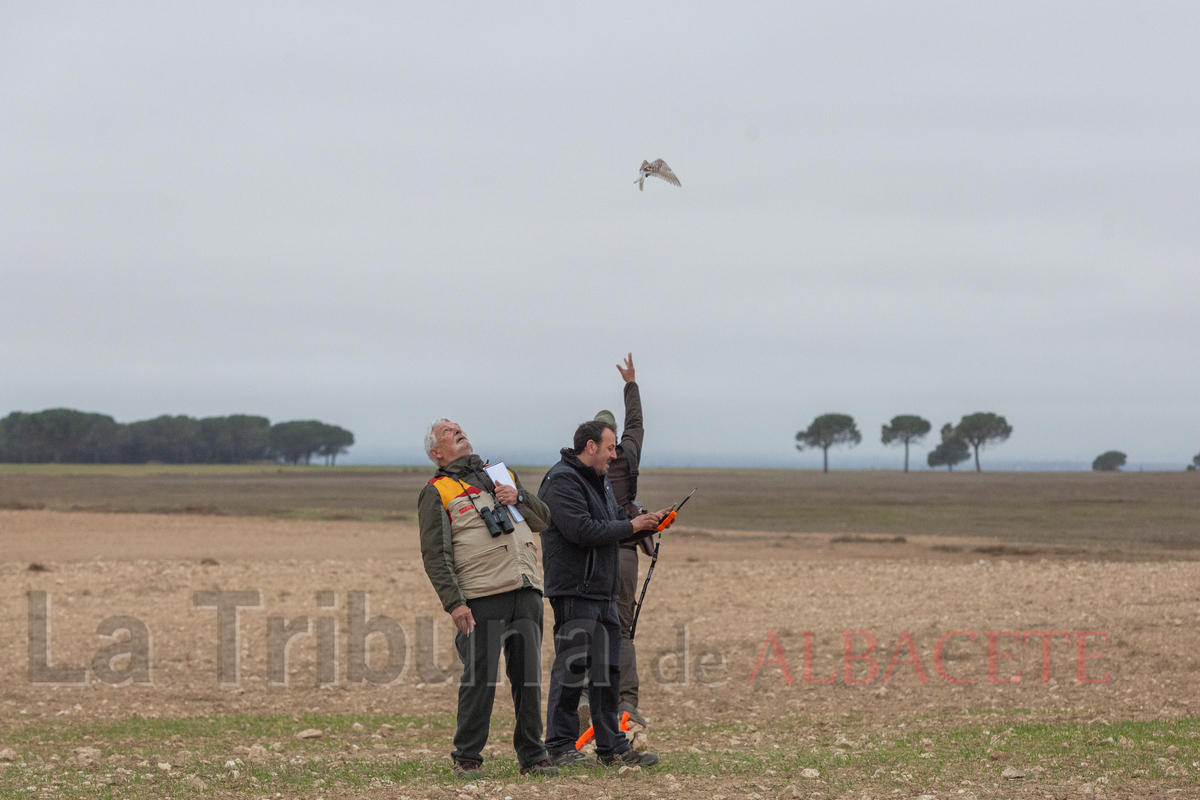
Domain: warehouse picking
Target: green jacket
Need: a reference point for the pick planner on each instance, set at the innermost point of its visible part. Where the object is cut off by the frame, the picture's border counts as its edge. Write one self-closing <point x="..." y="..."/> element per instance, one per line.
<point x="461" y="559"/>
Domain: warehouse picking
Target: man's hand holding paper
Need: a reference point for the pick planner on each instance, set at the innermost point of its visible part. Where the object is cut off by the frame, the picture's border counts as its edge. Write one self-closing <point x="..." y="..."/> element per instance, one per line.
<point x="506" y="490"/>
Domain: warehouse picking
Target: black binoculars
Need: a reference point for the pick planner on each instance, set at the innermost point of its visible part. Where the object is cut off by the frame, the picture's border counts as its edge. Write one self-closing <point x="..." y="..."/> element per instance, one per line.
<point x="497" y="520"/>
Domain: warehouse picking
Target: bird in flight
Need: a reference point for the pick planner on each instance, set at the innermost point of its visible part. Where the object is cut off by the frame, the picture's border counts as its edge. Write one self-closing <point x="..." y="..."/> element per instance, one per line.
<point x="658" y="169"/>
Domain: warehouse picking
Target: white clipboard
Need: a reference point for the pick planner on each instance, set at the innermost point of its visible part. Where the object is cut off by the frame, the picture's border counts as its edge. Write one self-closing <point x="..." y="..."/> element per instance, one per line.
<point x="499" y="475"/>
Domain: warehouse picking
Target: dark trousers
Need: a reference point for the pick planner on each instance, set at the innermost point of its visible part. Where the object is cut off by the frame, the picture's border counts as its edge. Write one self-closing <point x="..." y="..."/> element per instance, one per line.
<point x="587" y="652"/>
<point x="510" y="622"/>
<point x="626" y="605"/>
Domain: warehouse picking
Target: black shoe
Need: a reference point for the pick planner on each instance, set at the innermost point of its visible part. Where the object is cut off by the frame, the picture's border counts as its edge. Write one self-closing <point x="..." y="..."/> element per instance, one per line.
<point x="542" y="769"/>
<point x="634" y="717"/>
<point x="630" y="758"/>
<point x="467" y="770"/>
<point x="573" y="758"/>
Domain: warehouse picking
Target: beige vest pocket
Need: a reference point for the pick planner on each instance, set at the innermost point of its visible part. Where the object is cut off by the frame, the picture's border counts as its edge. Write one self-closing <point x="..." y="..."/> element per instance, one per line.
<point x="530" y="554"/>
<point x="483" y="573"/>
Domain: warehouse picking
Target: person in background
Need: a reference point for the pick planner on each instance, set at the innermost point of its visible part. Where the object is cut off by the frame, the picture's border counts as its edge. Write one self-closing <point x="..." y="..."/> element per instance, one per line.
<point x="623" y="475"/>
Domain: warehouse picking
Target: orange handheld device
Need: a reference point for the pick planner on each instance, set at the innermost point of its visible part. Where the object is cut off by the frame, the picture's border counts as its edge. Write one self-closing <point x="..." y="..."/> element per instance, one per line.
<point x="669" y="518"/>
<point x="591" y="731"/>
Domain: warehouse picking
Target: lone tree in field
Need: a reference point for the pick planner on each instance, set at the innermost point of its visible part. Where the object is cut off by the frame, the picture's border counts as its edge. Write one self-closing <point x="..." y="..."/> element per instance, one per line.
<point x="982" y="428"/>
<point x="1195" y="463"/>
<point x="951" y="451"/>
<point x="828" y="430"/>
<point x="906" y="428"/>
<point x="1112" y="461"/>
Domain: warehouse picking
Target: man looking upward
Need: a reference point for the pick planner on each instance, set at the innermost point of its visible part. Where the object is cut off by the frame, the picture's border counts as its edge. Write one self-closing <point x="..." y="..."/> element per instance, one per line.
<point x="488" y="578"/>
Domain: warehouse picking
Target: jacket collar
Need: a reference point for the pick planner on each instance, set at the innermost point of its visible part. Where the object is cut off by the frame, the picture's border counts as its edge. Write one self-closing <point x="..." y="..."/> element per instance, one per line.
<point x="470" y="463"/>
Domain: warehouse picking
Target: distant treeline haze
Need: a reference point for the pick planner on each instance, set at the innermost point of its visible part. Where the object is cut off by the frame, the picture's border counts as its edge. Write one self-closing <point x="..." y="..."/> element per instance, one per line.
<point x="66" y="436"/>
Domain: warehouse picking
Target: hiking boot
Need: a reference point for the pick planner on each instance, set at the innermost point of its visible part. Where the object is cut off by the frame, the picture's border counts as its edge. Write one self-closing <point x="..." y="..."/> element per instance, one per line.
<point x="585" y="718"/>
<point x="542" y="769"/>
<point x="634" y="717"/>
<point x="467" y="770"/>
<point x="630" y="758"/>
<point x="573" y="758"/>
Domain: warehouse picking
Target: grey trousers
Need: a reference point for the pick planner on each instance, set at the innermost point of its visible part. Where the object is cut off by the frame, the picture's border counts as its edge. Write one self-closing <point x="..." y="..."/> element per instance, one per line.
<point x="626" y="603"/>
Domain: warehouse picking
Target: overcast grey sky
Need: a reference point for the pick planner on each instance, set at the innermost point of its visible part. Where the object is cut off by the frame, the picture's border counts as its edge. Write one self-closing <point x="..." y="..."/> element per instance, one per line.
<point x="377" y="214"/>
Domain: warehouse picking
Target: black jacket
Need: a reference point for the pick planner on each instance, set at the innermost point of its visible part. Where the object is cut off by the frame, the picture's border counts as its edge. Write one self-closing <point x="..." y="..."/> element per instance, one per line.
<point x="581" y="548"/>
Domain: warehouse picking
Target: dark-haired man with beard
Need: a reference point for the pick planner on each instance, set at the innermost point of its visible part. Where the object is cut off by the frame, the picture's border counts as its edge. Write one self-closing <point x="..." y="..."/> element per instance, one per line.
<point x="580" y="555"/>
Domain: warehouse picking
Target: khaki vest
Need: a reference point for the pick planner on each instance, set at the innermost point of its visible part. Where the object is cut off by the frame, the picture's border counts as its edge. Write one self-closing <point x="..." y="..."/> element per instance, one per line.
<point x="484" y="565"/>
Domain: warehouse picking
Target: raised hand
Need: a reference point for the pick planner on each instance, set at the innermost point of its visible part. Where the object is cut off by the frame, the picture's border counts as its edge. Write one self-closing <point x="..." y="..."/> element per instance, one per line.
<point x="627" y="370"/>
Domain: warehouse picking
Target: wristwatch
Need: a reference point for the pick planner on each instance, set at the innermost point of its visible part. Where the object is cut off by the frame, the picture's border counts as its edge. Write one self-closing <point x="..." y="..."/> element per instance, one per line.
<point x="520" y="498"/>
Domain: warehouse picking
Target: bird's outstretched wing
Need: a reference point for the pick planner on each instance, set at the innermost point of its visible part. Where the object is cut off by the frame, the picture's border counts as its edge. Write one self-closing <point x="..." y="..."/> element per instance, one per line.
<point x="660" y="169"/>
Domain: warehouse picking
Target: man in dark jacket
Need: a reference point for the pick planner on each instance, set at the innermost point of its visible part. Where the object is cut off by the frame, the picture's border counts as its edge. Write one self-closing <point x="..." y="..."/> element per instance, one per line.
<point x="580" y="554"/>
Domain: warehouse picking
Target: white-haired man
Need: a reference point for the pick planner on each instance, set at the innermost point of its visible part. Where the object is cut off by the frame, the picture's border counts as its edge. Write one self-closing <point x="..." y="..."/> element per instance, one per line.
<point x="486" y="568"/>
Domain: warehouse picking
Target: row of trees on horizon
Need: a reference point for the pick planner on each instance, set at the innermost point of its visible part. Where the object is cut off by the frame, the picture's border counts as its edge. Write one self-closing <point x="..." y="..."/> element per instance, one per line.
<point x="66" y="436"/>
<point x="973" y="432"/>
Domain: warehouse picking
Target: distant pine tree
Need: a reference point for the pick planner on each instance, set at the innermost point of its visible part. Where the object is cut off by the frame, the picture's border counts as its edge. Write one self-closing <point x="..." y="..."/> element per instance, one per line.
<point x="906" y="429"/>
<point x="1112" y="461"/>
<point x="829" y="430"/>
<point x="953" y="450"/>
<point x="982" y="428"/>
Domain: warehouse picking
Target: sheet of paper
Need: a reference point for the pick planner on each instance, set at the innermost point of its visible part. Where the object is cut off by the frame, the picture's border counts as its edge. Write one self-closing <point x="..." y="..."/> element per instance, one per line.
<point x="499" y="475"/>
